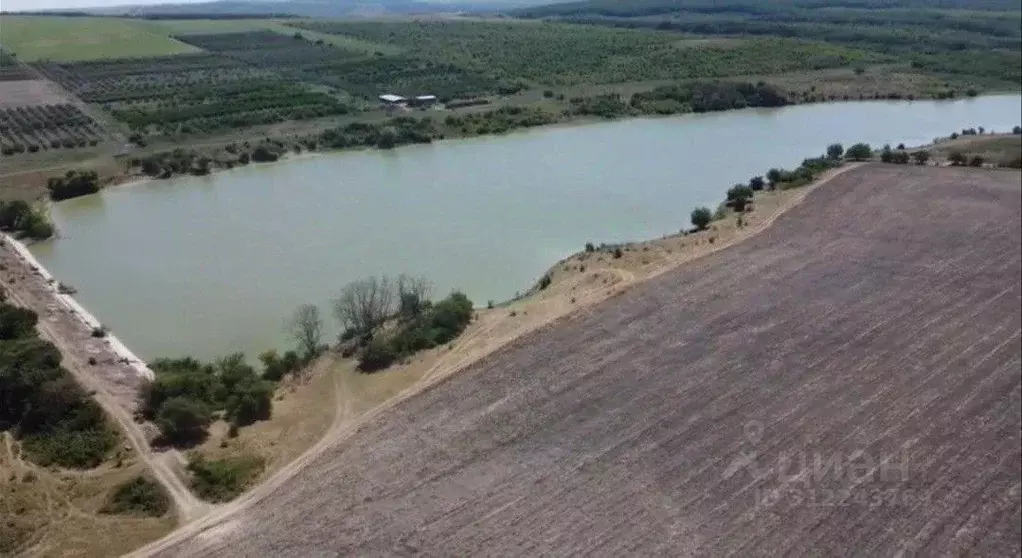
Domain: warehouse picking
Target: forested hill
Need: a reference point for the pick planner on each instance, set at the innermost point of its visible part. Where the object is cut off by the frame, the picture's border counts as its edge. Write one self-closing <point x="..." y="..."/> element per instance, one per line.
<point x="641" y="8"/>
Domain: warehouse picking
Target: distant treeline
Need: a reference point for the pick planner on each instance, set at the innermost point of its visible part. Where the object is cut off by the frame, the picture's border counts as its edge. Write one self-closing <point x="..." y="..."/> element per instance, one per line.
<point x="155" y="16"/>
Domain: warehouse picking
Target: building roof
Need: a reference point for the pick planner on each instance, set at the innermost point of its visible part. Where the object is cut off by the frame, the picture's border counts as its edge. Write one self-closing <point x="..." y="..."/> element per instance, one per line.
<point x="426" y="98"/>
<point x="392" y="98"/>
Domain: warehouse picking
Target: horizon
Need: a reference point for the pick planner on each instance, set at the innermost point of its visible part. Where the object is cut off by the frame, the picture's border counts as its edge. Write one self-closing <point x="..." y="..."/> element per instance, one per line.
<point x="41" y="5"/>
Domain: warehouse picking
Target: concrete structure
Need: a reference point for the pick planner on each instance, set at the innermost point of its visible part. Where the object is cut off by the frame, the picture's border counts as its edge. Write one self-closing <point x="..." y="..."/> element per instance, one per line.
<point x="423" y="101"/>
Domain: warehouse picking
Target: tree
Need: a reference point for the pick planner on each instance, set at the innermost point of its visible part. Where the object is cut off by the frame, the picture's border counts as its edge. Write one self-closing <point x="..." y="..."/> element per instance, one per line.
<point x="306" y="328"/>
<point x="957" y="158"/>
<point x="1017" y="130"/>
<point x="701" y="217"/>
<point x="886" y="155"/>
<point x="183" y="420"/>
<point x="900" y="157"/>
<point x="412" y="295"/>
<point x="921" y="156"/>
<point x="738" y="197"/>
<point x="757" y="183"/>
<point x="835" y="151"/>
<point x="859" y="152"/>
<point x="365" y="304"/>
<point x="774" y="175"/>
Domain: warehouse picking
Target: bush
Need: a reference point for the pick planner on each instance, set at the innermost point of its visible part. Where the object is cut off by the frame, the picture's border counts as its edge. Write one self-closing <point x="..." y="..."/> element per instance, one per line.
<point x="835" y="151"/>
<point x="18" y="216"/>
<point x="184" y="420"/>
<point x="1017" y="130"/>
<point x="377" y="355"/>
<point x="222" y="480"/>
<point x="921" y="156"/>
<point x="859" y="152"/>
<point x="544" y="282"/>
<point x="757" y="183"/>
<point x="139" y="496"/>
<point x="41" y="404"/>
<point x="701" y="217"/>
<point x="957" y="158"/>
<point x="73" y="184"/>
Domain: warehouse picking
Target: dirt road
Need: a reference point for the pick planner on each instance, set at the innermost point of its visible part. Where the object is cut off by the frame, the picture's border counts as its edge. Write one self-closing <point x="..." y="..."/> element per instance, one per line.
<point x="113" y="382"/>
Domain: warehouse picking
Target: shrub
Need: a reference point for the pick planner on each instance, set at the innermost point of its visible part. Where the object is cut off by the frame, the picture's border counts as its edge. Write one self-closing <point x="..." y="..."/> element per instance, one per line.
<point x="976" y="161"/>
<point x="140" y="496"/>
<point x="757" y="183"/>
<point x="377" y="355"/>
<point x="859" y="152"/>
<point x="921" y="156"/>
<point x="701" y="217"/>
<point x="835" y="151"/>
<point x="184" y="420"/>
<point x="544" y="281"/>
<point x="617" y="252"/>
<point x="886" y="155"/>
<point x="41" y="404"/>
<point x="957" y="158"/>
<point x="1017" y="130"/>
<point x="222" y="480"/>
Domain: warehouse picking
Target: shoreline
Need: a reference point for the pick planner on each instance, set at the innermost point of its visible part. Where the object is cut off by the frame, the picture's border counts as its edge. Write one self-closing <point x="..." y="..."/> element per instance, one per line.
<point x="121" y="180"/>
<point x="79" y="311"/>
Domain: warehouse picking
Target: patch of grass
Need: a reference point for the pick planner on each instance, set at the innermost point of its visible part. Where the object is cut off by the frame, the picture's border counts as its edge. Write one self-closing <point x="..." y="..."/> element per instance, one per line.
<point x="76" y="38"/>
<point x="222" y="480"/>
<point x="139" y="496"/>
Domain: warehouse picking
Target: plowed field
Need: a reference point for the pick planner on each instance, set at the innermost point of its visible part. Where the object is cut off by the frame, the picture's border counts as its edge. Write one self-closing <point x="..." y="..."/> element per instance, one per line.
<point x="847" y="382"/>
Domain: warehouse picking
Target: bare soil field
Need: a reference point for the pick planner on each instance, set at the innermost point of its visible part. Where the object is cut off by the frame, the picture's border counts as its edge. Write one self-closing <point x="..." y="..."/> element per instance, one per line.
<point x="846" y="382"/>
<point x="30" y="92"/>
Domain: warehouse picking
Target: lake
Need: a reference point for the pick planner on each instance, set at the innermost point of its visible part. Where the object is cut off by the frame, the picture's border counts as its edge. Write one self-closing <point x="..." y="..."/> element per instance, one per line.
<point x="212" y="265"/>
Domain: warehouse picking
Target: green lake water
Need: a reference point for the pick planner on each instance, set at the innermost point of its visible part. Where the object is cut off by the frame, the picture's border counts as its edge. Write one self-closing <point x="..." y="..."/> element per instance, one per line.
<point x="211" y="265"/>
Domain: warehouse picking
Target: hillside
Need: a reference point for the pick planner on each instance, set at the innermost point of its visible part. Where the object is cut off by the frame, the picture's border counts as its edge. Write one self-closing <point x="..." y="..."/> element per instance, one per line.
<point x="874" y="329"/>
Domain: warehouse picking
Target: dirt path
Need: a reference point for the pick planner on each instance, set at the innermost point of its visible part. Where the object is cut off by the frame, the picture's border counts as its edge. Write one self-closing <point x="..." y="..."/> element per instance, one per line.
<point x="112" y="381"/>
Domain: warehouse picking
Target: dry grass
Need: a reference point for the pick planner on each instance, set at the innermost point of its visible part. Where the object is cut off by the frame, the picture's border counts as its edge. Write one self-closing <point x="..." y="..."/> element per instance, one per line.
<point x="879" y="318"/>
<point x="52" y="512"/>
<point x="998" y="148"/>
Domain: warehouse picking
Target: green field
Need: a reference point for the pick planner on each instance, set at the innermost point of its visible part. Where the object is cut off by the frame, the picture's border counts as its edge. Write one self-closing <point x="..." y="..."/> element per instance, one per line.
<point x="75" y="38"/>
<point x="190" y="26"/>
<point x="564" y="54"/>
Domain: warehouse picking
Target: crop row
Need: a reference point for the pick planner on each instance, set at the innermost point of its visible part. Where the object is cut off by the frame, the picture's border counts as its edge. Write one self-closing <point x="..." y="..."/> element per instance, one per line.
<point x="31" y="128"/>
<point x="283" y="98"/>
<point x="64" y="136"/>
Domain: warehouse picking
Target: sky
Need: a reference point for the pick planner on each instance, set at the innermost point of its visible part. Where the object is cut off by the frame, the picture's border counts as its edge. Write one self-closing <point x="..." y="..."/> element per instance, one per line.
<point x="21" y="5"/>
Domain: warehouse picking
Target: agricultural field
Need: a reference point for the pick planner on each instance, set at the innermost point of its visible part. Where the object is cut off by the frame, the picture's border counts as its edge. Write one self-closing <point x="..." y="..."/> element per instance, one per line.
<point x="271" y="50"/>
<point x="190" y="93"/>
<point x="35" y="38"/>
<point x="557" y="54"/>
<point x="31" y="128"/>
<point x="976" y="39"/>
<point x="876" y="327"/>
